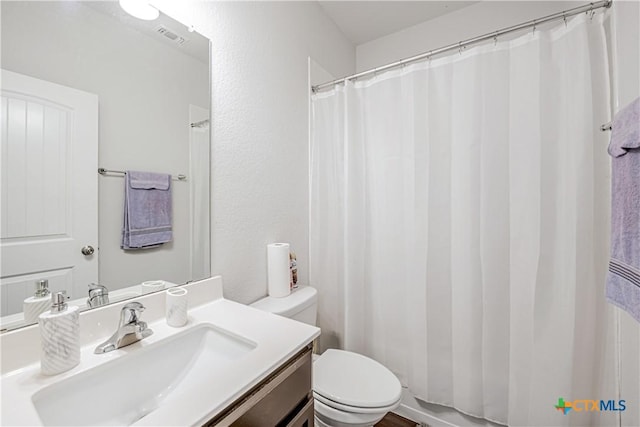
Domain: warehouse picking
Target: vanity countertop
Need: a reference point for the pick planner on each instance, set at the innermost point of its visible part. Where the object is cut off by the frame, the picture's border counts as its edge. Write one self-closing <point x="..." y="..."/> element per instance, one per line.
<point x="276" y="340"/>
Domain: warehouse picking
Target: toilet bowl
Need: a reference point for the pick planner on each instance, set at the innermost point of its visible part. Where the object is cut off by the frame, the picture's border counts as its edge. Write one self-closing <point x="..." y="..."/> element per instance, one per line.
<point x="349" y="389"/>
<point x="352" y="390"/>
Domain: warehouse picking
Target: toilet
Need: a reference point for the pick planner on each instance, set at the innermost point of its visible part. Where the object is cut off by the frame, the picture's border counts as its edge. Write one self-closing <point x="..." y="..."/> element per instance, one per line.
<point x="349" y="389"/>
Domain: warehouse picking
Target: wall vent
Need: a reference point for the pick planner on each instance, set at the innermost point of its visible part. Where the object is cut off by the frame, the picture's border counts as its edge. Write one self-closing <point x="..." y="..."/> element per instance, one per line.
<point x="171" y="35"/>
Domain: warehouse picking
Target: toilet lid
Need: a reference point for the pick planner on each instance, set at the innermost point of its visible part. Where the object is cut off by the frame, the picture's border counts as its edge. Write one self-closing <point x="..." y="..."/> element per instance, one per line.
<point x="355" y="380"/>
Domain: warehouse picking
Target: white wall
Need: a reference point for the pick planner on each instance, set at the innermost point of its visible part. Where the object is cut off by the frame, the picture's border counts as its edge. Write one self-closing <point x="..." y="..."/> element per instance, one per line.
<point x="144" y="90"/>
<point x="260" y="127"/>
<point x="483" y="18"/>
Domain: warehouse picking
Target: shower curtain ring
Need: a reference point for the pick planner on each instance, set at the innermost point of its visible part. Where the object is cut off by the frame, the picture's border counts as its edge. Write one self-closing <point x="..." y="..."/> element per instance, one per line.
<point x="534" y="27"/>
<point x="495" y="39"/>
<point x="460" y="48"/>
<point x="564" y="18"/>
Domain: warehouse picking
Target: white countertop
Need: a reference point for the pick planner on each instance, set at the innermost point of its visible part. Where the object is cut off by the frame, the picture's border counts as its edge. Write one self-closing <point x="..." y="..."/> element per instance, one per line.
<point x="277" y="339"/>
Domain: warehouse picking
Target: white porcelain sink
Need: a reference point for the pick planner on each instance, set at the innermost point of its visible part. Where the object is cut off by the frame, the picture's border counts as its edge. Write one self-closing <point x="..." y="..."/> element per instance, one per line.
<point x="124" y="390"/>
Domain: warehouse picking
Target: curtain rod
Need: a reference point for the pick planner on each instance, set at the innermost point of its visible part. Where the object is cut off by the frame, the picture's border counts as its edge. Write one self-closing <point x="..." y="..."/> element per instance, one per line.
<point x="591" y="7"/>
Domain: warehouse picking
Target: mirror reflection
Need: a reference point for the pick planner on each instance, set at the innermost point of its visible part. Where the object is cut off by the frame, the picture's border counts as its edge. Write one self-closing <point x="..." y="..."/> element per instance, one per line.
<point x="85" y="86"/>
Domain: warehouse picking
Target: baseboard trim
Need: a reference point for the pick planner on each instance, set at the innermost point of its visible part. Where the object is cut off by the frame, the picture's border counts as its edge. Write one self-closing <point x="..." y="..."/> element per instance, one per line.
<point x="422" y="417"/>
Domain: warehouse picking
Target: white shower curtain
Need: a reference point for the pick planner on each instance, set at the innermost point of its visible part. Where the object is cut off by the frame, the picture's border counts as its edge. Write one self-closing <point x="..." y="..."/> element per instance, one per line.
<point x="459" y="223"/>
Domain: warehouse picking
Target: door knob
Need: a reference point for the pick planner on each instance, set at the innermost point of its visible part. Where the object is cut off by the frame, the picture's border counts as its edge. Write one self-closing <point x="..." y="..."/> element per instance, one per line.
<point x="87" y="250"/>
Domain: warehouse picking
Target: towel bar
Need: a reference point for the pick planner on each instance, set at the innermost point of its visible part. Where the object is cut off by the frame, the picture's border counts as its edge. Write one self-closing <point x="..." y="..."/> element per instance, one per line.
<point x="103" y="171"/>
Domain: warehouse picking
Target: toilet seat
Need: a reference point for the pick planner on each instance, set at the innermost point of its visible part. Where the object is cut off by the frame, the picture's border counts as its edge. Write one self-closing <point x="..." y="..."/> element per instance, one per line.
<point x="334" y="417"/>
<point x="354" y="383"/>
<point x="353" y="409"/>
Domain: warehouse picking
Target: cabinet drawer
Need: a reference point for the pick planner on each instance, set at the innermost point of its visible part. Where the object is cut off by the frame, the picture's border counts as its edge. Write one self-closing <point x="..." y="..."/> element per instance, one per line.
<point x="304" y="418"/>
<point x="274" y="400"/>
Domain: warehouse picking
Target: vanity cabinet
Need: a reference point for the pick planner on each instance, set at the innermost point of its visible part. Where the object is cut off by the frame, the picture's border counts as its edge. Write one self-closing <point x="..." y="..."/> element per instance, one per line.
<point x="284" y="399"/>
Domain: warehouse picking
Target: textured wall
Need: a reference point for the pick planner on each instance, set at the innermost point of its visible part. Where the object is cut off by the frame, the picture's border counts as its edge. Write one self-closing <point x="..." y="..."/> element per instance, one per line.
<point x="260" y="127"/>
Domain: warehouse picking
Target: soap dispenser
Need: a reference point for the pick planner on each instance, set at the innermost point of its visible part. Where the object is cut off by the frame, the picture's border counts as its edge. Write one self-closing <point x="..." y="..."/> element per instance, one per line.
<point x="34" y="306"/>
<point x="60" y="336"/>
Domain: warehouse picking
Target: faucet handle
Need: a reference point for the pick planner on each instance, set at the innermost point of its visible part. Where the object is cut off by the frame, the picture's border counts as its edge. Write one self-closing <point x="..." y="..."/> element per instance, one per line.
<point x="97" y="288"/>
<point x="98" y="295"/>
<point x="132" y="310"/>
<point x="134" y="305"/>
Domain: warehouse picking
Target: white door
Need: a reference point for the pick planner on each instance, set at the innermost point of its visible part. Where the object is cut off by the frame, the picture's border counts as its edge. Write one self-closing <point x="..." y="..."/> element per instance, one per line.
<point x="49" y="188"/>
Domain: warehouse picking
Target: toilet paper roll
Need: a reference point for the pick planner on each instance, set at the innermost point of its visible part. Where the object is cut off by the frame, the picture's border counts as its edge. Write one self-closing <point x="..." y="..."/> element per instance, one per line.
<point x="278" y="270"/>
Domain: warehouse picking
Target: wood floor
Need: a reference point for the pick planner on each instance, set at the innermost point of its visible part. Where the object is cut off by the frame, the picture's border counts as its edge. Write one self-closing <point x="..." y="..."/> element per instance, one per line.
<point x="393" y="420"/>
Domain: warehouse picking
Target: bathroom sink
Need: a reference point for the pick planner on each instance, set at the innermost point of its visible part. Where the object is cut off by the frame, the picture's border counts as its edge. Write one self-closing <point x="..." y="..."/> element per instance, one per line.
<point x="122" y="391"/>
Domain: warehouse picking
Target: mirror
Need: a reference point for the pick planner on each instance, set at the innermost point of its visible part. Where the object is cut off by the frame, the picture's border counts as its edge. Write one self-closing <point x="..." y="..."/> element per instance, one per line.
<point x="87" y="86"/>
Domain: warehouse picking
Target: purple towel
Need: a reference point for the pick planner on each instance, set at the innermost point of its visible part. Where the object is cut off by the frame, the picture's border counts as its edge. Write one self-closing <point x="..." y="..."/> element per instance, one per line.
<point x="147" y="210"/>
<point x="623" y="278"/>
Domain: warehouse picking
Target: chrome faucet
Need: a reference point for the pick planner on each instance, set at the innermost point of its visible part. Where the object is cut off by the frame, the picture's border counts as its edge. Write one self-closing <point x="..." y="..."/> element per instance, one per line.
<point x="130" y="329"/>
<point x="98" y="295"/>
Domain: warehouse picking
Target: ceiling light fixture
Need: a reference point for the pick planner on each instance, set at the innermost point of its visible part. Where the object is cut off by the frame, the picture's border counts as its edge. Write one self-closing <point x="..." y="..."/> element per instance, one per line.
<point x="141" y="9"/>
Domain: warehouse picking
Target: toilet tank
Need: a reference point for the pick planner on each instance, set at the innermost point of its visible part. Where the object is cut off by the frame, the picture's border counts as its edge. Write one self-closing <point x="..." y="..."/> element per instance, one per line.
<point x="300" y="305"/>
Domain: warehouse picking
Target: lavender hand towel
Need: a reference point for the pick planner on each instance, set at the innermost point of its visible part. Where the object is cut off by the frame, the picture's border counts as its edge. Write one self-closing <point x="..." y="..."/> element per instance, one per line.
<point x="623" y="278"/>
<point x="147" y="210"/>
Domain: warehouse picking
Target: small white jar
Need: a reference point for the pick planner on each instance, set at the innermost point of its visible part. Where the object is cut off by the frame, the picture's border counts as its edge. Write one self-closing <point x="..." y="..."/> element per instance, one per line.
<point x="176" y="307"/>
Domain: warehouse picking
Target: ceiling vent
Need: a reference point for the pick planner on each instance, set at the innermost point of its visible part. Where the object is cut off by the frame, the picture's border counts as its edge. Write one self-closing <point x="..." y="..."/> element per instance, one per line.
<point x="171" y="35"/>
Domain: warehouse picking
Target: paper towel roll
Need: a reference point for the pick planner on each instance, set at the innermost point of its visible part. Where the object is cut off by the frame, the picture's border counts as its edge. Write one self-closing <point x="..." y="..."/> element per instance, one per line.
<point x="278" y="270"/>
